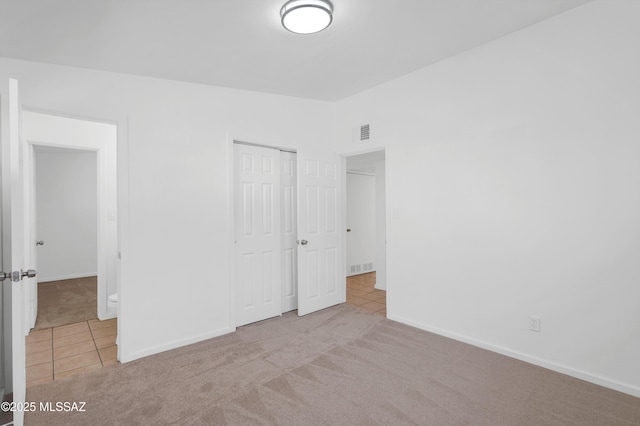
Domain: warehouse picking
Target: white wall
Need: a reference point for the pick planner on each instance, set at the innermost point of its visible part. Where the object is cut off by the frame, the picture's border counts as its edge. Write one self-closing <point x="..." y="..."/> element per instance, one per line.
<point x="174" y="181"/>
<point x="361" y="219"/>
<point x="513" y="175"/>
<point x="66" y="200"/>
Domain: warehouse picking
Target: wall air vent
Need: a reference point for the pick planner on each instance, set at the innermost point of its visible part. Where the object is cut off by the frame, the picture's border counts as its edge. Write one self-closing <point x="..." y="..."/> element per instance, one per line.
<point x="360" y="268"/>
<point x="364" y="132"/>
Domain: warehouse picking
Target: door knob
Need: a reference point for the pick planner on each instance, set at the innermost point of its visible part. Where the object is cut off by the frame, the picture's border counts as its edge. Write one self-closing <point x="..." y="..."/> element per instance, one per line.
<point x="4" y="276"/>
<point x="39" y="243"/>
<point x="304" y="242"/>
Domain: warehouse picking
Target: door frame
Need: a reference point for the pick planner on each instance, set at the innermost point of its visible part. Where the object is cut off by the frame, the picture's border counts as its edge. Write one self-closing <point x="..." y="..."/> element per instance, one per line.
<point x="386" y="207"/>
<point x="106" y="191"/>
<point x="122" y="239"/>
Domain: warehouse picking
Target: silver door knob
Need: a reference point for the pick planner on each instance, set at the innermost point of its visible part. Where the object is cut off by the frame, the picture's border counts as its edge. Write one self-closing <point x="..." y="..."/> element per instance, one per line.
<point x="304" y="242"/>
<point x="39" y="243"/>
<point x="29" y="274"/>
<point x="4" y="276"/>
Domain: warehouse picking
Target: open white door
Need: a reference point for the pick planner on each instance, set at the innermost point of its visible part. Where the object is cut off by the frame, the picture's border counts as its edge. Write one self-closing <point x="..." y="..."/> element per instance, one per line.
<point x="13" y="234"/>
<point x="321" y="278"/>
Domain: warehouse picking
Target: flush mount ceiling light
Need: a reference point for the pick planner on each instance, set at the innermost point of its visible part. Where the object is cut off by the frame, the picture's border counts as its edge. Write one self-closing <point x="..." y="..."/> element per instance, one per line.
<point x="306" y="16"/>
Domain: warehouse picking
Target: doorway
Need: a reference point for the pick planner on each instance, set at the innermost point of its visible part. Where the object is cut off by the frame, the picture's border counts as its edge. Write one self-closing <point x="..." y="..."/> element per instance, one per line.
<point x="48" y="132"/>
<point x="366" y="231"/>
<point x="66" y="210"/>
<point x="58" y="150"/>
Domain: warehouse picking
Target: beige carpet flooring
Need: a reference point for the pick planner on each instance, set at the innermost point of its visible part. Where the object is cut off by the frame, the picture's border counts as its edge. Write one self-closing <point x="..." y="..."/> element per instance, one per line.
<point x="340" y="366"/>
<point x="66" y="302"/>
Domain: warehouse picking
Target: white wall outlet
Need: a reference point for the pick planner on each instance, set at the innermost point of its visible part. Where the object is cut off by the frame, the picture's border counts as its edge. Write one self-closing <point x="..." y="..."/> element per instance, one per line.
<point x="534" y="324"/>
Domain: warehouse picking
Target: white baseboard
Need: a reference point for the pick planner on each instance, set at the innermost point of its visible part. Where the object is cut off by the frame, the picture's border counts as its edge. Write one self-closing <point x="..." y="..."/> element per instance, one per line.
<point x="569" y="371"/>
<point x="125" y="357"/>
<point x="66" y="277"/>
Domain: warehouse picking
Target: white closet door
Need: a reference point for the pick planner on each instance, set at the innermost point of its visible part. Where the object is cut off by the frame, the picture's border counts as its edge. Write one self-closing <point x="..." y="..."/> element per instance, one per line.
<point x="257" y="234"/>
<point x="289" y="232"/>
<point x="321" y="278"/>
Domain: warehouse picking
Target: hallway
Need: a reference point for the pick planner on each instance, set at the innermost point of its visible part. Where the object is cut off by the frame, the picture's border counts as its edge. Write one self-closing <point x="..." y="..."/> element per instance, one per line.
<point x="362" y="293"/>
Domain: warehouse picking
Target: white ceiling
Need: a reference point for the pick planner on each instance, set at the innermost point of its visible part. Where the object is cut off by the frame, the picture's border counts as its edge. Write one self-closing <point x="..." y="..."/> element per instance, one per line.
<point x="241" y="44"/>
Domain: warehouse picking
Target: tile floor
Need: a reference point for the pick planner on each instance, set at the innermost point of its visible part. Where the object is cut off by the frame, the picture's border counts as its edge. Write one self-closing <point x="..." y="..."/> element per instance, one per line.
<point x="54" y="353"/>
<point x="361" y="292"/>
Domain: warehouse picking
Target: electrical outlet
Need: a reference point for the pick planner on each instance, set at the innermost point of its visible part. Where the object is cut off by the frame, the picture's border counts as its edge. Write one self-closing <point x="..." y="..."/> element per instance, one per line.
<point x="534" y="324"/>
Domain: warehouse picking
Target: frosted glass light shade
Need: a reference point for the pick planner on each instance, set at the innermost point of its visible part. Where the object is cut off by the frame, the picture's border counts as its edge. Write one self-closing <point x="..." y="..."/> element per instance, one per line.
<point x="306" y="16"/>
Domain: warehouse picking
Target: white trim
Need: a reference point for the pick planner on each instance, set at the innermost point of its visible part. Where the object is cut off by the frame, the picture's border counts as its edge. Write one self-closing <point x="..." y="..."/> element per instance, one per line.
<point x="122" y="189"/>
<point x="560" y="368"/>
<point x="122" y="202"/>
<point x="279" y="148"/>
<point x="231" y="235"/>
<point x="349" y="172"/>
<point x="67" y="277"/>
<point x="107" y="176"/>
<point x="175" y="344"/>
<point x="343" y="226"/>
<point x="346" y="156"/>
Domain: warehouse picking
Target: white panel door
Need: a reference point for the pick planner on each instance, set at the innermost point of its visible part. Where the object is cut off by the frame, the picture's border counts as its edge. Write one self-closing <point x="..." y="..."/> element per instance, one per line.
<point x="13" y="234"/>
<point x="321" y="278"/>
<point x="289" y="232"/>
<point x="258" y="269"/>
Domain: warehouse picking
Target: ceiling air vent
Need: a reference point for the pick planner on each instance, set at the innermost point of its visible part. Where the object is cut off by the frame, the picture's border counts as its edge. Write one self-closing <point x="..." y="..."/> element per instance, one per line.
<point x="364" y="132"/>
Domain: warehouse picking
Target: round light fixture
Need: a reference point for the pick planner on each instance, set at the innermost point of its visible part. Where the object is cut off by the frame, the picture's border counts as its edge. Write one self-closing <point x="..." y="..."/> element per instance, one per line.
<point x="306" y="16"/>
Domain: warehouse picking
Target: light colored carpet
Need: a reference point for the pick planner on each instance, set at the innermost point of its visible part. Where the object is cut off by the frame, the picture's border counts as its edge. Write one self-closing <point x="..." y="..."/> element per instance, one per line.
<point x="340" y="366"/>
<point x="66" y="302"/>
